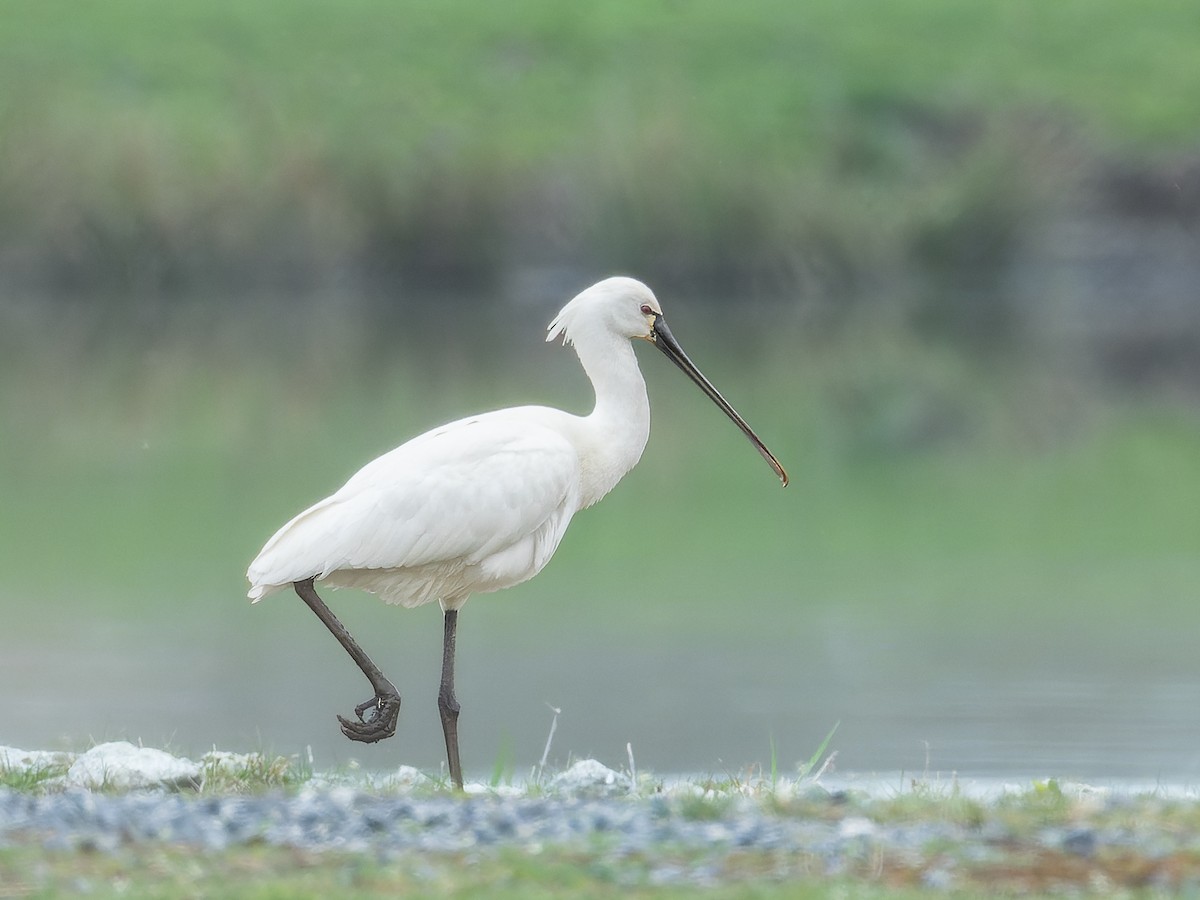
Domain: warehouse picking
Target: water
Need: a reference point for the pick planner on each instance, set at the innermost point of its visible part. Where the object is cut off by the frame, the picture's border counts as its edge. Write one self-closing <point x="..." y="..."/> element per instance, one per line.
<point x="909" y="697"/>
<point x="1104" y="688"/>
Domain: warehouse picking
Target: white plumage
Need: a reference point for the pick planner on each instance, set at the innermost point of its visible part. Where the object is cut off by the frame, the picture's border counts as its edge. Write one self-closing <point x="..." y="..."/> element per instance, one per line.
<point x="474" y="506"/>
<point x="481" y="504"/>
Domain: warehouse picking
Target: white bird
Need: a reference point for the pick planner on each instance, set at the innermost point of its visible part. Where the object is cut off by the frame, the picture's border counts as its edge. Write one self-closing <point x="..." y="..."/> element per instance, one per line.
<point x="480" y="504"/>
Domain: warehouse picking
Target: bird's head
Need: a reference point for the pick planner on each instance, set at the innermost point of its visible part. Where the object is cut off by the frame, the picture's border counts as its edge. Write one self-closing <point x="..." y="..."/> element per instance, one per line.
<point x="626" y="308"/>
<point x="618" y="305"/>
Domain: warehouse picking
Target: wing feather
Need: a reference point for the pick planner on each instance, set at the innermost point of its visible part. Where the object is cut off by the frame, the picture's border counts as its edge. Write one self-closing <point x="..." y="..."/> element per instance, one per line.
<point x="450" y="499"/>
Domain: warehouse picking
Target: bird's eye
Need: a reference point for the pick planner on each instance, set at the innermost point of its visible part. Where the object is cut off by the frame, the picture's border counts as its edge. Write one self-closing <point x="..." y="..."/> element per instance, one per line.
<point x="646" y="310"/>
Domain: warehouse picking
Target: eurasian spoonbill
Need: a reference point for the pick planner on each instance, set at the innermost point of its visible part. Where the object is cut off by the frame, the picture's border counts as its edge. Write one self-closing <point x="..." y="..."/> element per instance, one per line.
<point x="480" y="504"/>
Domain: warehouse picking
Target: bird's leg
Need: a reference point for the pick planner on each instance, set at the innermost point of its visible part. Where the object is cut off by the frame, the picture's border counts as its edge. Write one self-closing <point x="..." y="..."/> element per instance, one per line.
<point x="447" y="702"/>
<point x="386" y="702"/>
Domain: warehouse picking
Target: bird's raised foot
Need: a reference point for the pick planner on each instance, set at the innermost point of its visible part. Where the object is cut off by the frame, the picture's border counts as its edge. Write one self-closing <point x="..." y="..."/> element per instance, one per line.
<point x="379" y="725"/>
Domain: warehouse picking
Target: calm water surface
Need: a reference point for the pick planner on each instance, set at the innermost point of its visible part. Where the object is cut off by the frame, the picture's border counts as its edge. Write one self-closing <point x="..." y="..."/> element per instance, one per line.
<point x="908" y="698"/>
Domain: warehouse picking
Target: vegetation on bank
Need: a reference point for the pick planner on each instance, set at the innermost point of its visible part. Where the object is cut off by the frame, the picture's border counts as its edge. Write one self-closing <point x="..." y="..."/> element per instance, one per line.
<point x="817" y="150"/>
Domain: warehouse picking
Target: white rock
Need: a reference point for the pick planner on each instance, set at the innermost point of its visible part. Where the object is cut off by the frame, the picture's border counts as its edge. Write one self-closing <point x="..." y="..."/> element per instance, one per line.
<point x="590" y="777"/>
<point x="122" y="766"/>
<point x="226" y="762"/>
<point x="32" y="760"/>
<point x="403" y="777"/>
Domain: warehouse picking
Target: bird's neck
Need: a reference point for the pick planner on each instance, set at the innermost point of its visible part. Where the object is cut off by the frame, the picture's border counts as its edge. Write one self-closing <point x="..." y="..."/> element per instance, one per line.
<point x="619" y="426"/>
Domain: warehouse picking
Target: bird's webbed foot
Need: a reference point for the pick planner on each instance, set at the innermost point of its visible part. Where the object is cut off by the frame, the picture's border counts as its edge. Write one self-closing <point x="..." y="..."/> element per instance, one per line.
<point x="380" y="724"/>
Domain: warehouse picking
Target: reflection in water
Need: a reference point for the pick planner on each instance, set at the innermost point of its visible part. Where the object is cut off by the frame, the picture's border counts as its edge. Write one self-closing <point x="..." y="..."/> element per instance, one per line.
<point x="269" y="677"/>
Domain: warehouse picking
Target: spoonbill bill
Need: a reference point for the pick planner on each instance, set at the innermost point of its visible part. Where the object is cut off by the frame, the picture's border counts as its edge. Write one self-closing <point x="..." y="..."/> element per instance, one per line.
<point x="480" y="504"/>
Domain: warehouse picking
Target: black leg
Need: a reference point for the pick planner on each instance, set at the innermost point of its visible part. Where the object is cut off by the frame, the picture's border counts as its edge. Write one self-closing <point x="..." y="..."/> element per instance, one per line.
<point x="386" y="702"/>
<point x="447" y="703"/>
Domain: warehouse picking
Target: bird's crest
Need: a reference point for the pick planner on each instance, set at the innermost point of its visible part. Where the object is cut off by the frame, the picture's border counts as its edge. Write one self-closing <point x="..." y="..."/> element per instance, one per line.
<point x="558" y="327"/>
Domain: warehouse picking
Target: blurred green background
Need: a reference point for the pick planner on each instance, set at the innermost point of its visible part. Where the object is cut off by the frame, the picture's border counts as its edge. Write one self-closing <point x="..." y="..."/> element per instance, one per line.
<point x="943" y="255"/>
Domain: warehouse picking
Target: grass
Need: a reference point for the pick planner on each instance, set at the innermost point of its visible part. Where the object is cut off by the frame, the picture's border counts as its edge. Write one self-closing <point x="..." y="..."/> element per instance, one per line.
<point x="221" y="774"/>
<point x="389" y="79"/>
<point x="32" y="779"/>
<point x="252" y="773"/>
<point x="257" y="873"/>
<point x="150" y="148"/>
